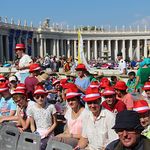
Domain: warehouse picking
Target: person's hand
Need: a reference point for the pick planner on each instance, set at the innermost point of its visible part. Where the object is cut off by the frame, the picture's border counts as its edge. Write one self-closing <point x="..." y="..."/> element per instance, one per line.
<point x="1" y="119"/>
<point x="20" y="129"/>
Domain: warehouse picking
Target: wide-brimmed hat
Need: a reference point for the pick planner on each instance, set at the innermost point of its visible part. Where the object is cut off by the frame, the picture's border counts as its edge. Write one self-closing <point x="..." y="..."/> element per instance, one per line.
<point x="20" y="46"/>
<point x="3" y="87"/>
<point x="141" y="106"/>
<point x="34" y="67"/>
<point x="2" y="77"/>
<point x="81" y="67"/>
<point x="21" y="86"/>
<point x="68" y="74"/>
<point x="146" y="86"/>
<point x="72" y="92"/>
<point x="50" y="72"/>
<point x="42" y="77"/>
<point x="39" y="90"/>
<point x="108" y="91"/>
<point x="91" y="94"/>
<point x="120" y="85"/>
<point x="128" y="119"/>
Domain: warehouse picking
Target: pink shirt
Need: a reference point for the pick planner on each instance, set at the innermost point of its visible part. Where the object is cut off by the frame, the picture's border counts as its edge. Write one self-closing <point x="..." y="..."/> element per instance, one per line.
<point x="128" y="100"/>
<point x="75" y="125"/>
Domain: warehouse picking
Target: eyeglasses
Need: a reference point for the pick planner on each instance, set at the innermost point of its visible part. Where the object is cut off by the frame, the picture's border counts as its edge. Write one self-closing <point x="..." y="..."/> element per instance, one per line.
<point x="38" y="96"/>
<point x="93" y="102"/>
<point x="128" y="131"/>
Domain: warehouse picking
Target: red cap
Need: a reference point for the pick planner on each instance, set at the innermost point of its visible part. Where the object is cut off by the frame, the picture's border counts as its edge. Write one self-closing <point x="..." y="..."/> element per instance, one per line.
<point x="18" y="91"/>
<point x="69" y="86"/>
<point x="91" y="94"/>
<point x="81" y="67"/>
<point x="63" y="82"/>
<point x="108" y="91"/>
<point x="94" y="84"/>
<point x="21" y="86"/>
<point x="39" y="90"/>
<point x="2" y="77"/>
<point x="34" y="67"/>
<point x="120" y="85"/>
<point x="141" y="106"/>
<point x="72" y="92"/>
<point x="55" y="81"/>
<point x="3" y="87"/>
<point x="146" y="86"/>
<point x="20" y="46"/>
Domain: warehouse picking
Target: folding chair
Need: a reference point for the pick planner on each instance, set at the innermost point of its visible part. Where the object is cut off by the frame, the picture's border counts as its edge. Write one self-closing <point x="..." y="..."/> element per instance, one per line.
<point x="52" y="145"/>
<point x="29" y="141"/>
<point x="9" y="137"/>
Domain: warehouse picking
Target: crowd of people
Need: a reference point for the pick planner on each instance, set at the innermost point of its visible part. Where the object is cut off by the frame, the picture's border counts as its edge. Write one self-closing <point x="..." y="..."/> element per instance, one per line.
<point x="85" y="110"/>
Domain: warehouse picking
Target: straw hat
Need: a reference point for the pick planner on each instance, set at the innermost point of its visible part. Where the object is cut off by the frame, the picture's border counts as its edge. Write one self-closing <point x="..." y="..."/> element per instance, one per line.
<point x="42" y="77"/>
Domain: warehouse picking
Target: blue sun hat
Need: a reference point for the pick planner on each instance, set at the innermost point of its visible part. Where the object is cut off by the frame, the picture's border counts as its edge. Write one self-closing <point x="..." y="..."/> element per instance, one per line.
<point x="146" y="61"/>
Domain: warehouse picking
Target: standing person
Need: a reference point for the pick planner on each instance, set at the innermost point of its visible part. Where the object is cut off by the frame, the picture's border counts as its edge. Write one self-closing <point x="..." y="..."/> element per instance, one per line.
<point x="82" y="81"/>
<point x="121" y="94"/>
<point x="111" y="103"/>
<point x="24" y="62"/>
<point x="143" y="109"/>
<point x="143" y="74"/>
<point x="97" y="132"/>
<point x="128" y="128"/>
<point x="42" y="116"/>
<point x="122" y="64"/>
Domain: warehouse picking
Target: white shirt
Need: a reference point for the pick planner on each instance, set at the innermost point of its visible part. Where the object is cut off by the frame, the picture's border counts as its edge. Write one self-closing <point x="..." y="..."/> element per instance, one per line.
<point x="99" y="132"/>
<point x="122" y="65"/>
<point x="24" y="61"/>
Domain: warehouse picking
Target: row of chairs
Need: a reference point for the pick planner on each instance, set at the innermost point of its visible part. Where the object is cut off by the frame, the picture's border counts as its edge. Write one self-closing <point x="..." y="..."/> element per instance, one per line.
<point x="11" y="139"/>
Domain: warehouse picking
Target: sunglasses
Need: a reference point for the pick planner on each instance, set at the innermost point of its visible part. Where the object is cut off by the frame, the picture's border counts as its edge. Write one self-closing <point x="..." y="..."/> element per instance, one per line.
<point x="129" y="131"/>
<point x="38" y="96"/>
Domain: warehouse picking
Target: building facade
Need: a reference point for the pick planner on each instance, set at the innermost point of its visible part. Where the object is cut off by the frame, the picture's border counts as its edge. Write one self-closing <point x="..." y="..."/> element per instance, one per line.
<point x="133" y="43"/>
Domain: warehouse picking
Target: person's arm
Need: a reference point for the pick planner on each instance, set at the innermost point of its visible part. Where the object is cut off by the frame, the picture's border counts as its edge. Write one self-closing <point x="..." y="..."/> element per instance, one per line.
<point x="12" y="112"/>
<point x="32" y="124"/>
<point x="81" y="89"/>
<point x="83" y="142"/>
<point x="8" y="118"/>
<point x="51" y="128"/>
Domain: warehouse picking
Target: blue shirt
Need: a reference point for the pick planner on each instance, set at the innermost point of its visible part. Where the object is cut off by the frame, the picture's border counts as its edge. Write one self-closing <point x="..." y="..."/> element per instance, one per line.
<point x="83" y="83"/>
<point x="6" y="106"/>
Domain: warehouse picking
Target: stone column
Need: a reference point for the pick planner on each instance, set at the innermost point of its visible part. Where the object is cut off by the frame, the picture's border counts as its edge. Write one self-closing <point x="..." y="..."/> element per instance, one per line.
<point x="95" y="49"/>
<point x="54" y="47"/>
<point x="145" y="48"/>
<point x="33" y="50"/>
<point x="88" y="48"/>
<point x="62" y="47"/>
<point x="7" y="49"/>
<point x="75" y="48"/>
<point x="123" y="49"/>
<point x="130" y="50"/>
<point x="57" y="48"/>
<point x="68" y="48"/>
<point x="45" y="47"/>
<point x="102" y="48"/>
<point x="138" y="50"/>
<point x="41" y="47"/>
<point x="116" y="49"/>
<point x="1" y="48"/>
<point x="109" y="48"/>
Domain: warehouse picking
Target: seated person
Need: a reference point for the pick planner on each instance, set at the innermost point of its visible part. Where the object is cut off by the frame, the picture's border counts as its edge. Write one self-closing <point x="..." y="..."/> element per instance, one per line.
<point x="74" y="117"/>
<point x="128" y="128"/>
<point x="111" y="103"/>
<point x="42" y="116"/>
<point x="143" y="109"/>
<point x="7" y="104"/>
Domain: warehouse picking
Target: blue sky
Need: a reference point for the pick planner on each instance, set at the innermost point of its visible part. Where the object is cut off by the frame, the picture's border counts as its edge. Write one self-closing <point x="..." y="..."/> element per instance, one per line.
<point x="78" y="12"/>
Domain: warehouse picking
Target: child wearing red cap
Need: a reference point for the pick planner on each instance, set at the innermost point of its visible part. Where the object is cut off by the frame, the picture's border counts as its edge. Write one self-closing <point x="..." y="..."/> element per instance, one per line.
<point x="42" y="116"/>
